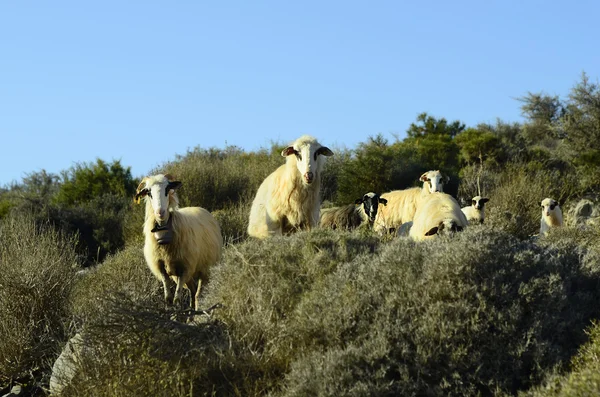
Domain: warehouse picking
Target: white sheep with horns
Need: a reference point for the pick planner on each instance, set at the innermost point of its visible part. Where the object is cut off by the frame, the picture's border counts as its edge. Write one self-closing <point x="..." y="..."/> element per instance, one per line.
<point x="402" y="204"/>
<point x="474" y="212"/>
<point x="551" y="216"/>
<point x="181" y="244"/>
<point x="288" y="199"/>
<point x="437" y="213"/>
<point x="363" y="211"/>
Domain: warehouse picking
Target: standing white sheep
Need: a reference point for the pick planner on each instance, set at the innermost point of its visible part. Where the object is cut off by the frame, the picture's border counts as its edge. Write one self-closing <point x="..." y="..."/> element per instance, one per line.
<point x="437" y="214"/>
<point x="474" y="212"/>
<point x="181" y="244"/>
<point x="288" y="199"/>
<point x="402" y="204"/>
<point x="551" y="216"/>
<point x="364" y="210"/>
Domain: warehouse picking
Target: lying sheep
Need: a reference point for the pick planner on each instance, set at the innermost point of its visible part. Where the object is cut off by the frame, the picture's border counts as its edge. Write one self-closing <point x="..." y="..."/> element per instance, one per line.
<point x="402" y="204"/>
<point x="288" y="199"/>
<point x="474" y="212"/>
<point x="363" y="211"/>
<point x="437" y="214"/>
<point x="181" y="244"/>
<point x="551" y="216"/>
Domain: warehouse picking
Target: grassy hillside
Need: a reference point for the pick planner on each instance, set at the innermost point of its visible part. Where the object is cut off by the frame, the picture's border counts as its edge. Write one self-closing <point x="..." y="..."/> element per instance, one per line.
<point x="494" y="310"/>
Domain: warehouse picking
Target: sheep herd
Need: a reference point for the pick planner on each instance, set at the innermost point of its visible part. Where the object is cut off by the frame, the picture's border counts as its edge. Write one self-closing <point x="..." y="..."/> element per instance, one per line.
<point x="181" y="244"/>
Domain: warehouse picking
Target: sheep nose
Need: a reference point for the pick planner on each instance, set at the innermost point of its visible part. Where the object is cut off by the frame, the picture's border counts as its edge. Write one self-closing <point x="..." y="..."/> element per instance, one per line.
<point x="160" y="213"/>
<point x="309" y="176"/>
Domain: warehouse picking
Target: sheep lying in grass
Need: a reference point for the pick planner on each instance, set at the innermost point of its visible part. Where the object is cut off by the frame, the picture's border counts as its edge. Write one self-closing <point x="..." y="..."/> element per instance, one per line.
<point x="551" y="216"/>
<point x="363" y="211"/>
<point x="474" y="212"/>
<point x="437" y="214"/>
<point x="181" y="244"/>
<point x="288" y="199"/>
<point x="402" y="204"/>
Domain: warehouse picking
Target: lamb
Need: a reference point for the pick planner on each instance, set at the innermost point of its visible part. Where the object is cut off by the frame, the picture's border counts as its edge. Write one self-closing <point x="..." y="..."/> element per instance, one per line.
<point x="402" y="204"/>
<point x="363" y="211"/>
<point x="436" y="214"/>
<point x="181" y="244"/>
<point x="551" y="216"/>
<point x="288" y="199"/>
<point x="474" y="212"/>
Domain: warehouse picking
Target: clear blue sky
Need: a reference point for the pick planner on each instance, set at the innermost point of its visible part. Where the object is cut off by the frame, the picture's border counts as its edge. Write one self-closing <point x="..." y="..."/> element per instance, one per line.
<point x="142" y="81"/>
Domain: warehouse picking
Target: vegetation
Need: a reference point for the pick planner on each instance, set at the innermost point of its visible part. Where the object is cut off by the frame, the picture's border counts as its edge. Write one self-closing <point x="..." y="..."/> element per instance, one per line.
<point x="494" y="310"/>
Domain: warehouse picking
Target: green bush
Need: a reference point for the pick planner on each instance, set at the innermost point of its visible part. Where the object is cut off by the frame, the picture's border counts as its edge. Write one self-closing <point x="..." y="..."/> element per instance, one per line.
<point x="37" y="267"/>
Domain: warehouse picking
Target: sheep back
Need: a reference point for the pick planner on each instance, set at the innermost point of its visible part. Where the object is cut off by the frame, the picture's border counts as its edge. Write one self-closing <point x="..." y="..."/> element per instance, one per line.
<point x="434" y="210"/>
<point x="401" y="207"/>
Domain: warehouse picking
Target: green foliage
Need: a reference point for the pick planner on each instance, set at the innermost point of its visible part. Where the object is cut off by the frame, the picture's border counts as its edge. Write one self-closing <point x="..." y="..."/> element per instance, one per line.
<point x="85" y="182"/>
<point x="478" y="146"/>
<point x="37" y="265"/>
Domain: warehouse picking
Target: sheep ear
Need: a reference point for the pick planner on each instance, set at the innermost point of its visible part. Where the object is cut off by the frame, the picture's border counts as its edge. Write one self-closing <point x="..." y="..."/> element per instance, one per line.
<point x="484" y="200"/>
<point x="142" y="185"/>
<point x="325" y="151"/>
<point x="358" y="201"/>
<point x="174" y="185"/>
<point x="432" y="231"/>
<point x="287" y="151"/>
<point x="139" y="195"/>
<point x="424" y="178"/>
<point x="141" y="191"/>
<point x="383" y="201"/>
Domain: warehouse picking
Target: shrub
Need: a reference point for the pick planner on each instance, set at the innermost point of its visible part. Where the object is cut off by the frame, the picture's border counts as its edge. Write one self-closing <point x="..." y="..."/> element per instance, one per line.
<point x="37" y="265"/>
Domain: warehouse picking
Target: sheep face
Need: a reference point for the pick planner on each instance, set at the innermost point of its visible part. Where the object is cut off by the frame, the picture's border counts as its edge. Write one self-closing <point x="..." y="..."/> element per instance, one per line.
<point x="158" y="189"/>
<point x="447" y="226"/>
<point x="548" y="206"/>
<point x="370" y="202"/>
<point x="307" y="153"/>
<point x="478" y="202"/>
<point x="436" y="180"/>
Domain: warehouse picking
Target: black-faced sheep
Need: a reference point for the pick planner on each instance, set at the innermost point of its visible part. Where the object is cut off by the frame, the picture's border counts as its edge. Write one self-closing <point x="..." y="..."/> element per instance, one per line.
<point x="551" y="216"/>
<point x="363" y="211"/>
<point x="437" y="213"/>
<point x="181" y="244"/>
<point x="474" y="212"/>
<point x="402" y="204"/>
<point x="288" y="199"/>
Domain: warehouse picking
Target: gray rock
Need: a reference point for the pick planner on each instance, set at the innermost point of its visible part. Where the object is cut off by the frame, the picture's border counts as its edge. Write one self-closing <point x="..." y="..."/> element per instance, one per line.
<point x="65" y="366"/>
<point x="16" y="390"/>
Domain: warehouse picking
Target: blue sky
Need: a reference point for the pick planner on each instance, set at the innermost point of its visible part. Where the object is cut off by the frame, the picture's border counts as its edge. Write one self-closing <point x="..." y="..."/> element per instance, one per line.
<point x="142" y="81"/>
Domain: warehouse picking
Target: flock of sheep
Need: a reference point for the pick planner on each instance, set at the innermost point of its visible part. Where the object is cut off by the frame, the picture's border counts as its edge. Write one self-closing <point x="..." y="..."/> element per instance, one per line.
<point x="181" y="244"/>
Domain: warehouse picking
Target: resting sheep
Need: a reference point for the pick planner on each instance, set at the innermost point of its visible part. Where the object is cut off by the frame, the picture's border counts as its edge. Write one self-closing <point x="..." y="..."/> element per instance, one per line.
<point x="551" y="216"/>
<point x="181" y="244"/>
<point x="474" y="212"/>
<point x="436" y="214"/>
<point x="288" y="199"/>
<point x="402" y="204"/>
<point x="364" y="210"/>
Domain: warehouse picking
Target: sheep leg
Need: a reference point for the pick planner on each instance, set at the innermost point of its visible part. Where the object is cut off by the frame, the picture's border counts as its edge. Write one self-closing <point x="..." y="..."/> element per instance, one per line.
<point x="197" y="296"/>
<point x="193" y="287"/>
<point x="178" y="291"/>
<point x="167" y="283"/>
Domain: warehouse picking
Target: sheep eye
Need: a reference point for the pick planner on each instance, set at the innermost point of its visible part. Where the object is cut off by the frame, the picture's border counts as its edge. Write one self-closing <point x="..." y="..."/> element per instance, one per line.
<point x="149" y="194"/>
<point x="298" y="155"/>
<point x="552" y="206"/>
<point x="166" y="191"/>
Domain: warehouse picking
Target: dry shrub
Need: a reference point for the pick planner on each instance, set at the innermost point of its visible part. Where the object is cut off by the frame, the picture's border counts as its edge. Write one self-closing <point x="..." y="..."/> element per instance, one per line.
<point x="37" y="267"/>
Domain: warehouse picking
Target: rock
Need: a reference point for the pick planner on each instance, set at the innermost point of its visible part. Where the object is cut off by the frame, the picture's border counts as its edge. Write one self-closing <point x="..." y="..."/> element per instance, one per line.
<point x="65" y="366"/>
<point x="16" y="390"/>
